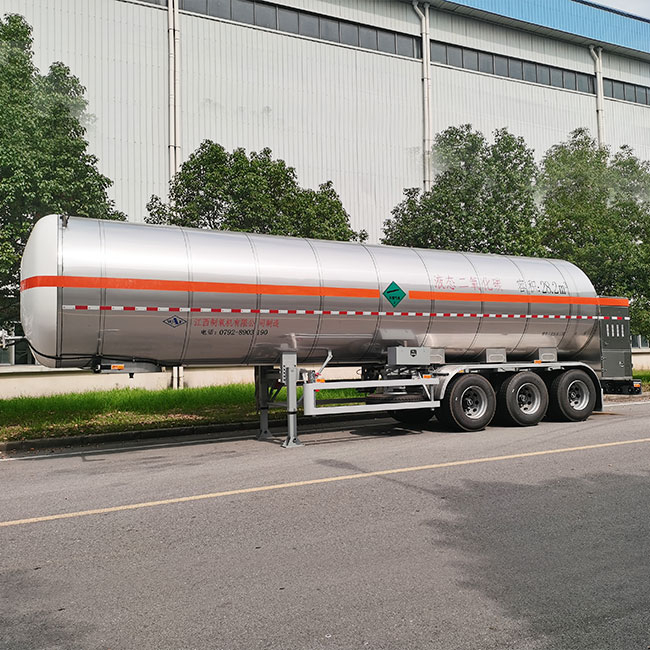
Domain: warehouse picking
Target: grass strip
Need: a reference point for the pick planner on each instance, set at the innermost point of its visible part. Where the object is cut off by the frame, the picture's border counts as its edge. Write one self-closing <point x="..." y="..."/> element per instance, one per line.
<point x="28" y="418"/>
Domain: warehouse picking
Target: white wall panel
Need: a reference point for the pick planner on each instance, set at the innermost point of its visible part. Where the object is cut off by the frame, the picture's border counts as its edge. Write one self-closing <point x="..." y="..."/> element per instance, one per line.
<point x="388" y="14"/>
<point x="499" y="39"/>
<point x="626" y="69"/>
<point x="119" y="52"/>
<point x="629" y="124"/>
<point x="543" y="116"/>
<point x="333" y="113"/>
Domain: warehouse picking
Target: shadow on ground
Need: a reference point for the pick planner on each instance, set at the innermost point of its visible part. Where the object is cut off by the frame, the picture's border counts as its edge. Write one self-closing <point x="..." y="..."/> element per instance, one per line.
<point x="569" y="558"/>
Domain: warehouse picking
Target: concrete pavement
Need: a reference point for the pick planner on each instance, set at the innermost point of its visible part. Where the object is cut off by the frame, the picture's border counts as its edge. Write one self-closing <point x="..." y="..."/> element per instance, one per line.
<point x="368" y="537"/>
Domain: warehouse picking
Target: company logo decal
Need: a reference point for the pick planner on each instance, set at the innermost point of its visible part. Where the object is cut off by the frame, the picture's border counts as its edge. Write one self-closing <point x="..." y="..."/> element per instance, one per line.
<point x="174" y="321"/>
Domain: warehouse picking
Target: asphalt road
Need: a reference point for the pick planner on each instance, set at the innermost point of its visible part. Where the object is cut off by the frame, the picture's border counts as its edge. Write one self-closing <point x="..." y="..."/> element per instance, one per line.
<point x="374" y="537"/>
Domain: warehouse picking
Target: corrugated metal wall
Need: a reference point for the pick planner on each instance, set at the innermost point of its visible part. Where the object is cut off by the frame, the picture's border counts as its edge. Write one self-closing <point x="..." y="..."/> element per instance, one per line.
<point x="463" y="30"/>
<point x="331" y="111"/>
<point x="334" y="113"/>
<point x="388" y="14"/>
<point x="542" y="116"/>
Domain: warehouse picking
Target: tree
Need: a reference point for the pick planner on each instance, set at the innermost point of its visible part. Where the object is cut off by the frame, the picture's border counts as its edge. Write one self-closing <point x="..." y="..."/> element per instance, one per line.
<point x="596" y="214"/>
<point x="44" y="163"/>
<point x="482" y="198"/>
<point x="219" y="190"/>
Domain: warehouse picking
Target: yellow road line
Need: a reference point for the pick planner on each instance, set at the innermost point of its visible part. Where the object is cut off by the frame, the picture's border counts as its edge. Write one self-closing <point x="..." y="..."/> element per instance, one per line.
<point x="316" y="481"/>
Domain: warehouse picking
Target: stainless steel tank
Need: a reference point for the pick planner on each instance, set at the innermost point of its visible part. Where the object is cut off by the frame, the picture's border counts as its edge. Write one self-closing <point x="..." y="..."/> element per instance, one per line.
<point x="103" y="289"/>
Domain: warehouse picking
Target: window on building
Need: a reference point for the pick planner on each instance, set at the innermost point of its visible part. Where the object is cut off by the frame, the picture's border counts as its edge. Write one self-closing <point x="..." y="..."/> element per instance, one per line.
<point x="385" y="41"/>
<point x="308" y="25"/>
<point x="404" y="45"/>
<point x="486" y="63"/>
<point x="582" y="83"/>
<point x="349" y="34"/>
<point x="640" y="95"/>
<point x="266" y="16"/>
<point x="608" y="88"/>
<point x="438" y="53"/>
<point x="618" y="90"/>
<point x="556" y="78"/>
<point x="530" y="72"/>
<point x="242" y="11"/>
<point x="629" y="92"/>
<point x="367" y="37"/>
<point x="543" y="75"/>
<point x="501" y="66"/>
<point x="515" y="69"/>
<point x="569" y="80"/>
<point x="197" y="6"/>
<point x="329" y="30"/>
<point x="470" y="60"/>
<point x="219" y="8"/>
<point x="288" y="20"/>
<point x="455" y="56"/>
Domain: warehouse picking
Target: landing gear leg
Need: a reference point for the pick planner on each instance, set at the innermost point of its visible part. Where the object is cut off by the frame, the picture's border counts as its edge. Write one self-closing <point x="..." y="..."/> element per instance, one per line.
<point x="262" y="397"/>
<point x="290" y="380"/>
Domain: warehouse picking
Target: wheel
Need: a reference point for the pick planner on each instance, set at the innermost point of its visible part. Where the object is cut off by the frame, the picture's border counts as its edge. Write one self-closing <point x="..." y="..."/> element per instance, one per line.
<point x="469" y="403"/>
<point x="416" y="418"/>
<point x="410" y="417"/>
<point x="572" y="396"/>
<point x="522" y="399"/>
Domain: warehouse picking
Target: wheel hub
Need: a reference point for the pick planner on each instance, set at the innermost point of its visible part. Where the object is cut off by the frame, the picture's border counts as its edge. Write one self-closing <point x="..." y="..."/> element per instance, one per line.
<point x="578" y="395"/>
<point x="529" y="398"/>
<point x="474" y="402"/>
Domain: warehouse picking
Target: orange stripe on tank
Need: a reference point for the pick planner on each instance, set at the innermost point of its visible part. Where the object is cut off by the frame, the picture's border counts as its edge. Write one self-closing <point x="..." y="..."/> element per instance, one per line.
<point x="133" y="284"/>
<point x="516" y="298"/>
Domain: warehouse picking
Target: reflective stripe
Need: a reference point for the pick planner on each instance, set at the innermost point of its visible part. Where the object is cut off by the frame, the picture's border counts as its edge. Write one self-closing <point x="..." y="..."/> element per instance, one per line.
<point x="328" y="312"/>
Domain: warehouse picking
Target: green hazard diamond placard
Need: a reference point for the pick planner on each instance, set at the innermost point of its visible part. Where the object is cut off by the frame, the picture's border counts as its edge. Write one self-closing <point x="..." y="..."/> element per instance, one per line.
<point x="394" y="294"/>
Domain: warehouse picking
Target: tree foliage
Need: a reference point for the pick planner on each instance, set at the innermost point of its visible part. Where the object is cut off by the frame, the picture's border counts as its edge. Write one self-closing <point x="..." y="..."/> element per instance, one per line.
<point x="219" y="190"/>
<point x="596" y="214"/>
<point x="44" y="163"/>
<point x="482" y="198"/>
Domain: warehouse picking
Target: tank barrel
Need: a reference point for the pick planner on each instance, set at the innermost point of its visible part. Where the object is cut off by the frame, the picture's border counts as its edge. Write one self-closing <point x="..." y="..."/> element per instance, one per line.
<point x="95" y="289"/>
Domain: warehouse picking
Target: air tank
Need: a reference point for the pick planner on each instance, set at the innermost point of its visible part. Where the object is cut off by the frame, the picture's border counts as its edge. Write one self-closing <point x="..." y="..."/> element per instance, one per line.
<point x="93" y="289"/>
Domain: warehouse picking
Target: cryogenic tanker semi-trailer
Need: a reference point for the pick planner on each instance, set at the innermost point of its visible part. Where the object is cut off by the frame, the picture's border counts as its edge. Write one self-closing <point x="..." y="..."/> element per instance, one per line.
<point x="460" y="335"/>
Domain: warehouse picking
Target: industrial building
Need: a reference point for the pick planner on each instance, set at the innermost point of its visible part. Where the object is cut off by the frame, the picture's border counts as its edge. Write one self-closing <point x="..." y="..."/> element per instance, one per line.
<point x="351" y="91"/>
<point x="342" y="90"/>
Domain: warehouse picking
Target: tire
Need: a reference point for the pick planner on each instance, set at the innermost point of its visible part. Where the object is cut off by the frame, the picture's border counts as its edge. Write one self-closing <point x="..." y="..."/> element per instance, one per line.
<point x="522" y="400"/>
<point x="415" y="418"/>
<point x="572" y="396"/>
<point x="392" y="398"/>
<point x="410" y="417"/>
<point x="469" y="403"/>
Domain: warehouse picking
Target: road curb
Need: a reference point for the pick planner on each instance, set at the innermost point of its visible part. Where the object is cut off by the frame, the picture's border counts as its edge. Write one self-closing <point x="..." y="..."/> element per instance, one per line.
<point x="214" y="430"/>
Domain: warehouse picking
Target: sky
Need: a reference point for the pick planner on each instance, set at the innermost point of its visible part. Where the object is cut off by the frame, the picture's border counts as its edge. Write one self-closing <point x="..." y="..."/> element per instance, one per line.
<point x="636" y="7"/>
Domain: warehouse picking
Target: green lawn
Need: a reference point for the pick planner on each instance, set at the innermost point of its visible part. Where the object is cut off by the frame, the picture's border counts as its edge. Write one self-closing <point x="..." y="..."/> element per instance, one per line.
<point x="26" y="418"/>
